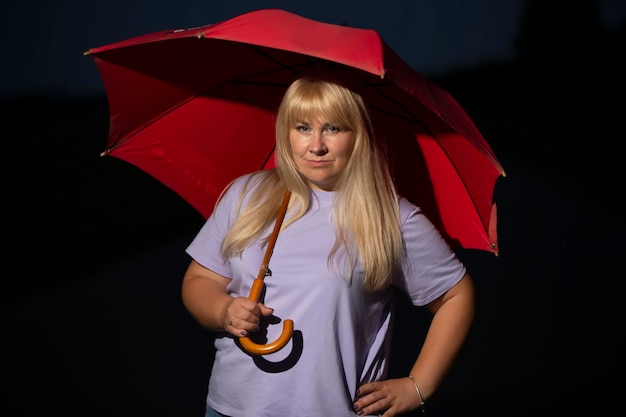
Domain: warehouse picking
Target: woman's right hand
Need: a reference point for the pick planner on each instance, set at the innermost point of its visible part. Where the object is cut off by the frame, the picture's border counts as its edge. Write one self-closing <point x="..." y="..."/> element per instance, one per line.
<point x="243" y="316"/>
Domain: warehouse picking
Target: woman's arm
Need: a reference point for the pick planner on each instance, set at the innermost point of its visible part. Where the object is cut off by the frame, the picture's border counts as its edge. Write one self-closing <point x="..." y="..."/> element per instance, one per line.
<point x="452" y="320"/>
<point x="453" y="317"/>
<point x="205" y="297"/>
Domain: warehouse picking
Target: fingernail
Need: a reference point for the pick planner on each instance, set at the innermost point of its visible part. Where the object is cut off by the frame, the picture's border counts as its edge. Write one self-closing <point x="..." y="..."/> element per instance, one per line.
<point x="355" y="407"/>
<point x="244" y="333"/>
<point x="256" y="328"/>
<point x="359" y="413"/>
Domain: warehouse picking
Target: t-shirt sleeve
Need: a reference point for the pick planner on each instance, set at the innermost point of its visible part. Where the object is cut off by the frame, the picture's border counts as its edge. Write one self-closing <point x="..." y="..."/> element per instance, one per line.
<point x="205" y="248"/>
<point x="429" y="267"/>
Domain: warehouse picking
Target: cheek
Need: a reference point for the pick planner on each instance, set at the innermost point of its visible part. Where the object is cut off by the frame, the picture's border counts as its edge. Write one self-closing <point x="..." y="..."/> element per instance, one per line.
<point x="345" y="148"/>
<point x="295" y="144"/>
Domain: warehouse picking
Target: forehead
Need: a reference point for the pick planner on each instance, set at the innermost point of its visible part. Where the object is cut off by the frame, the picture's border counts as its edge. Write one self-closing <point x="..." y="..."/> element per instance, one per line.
<point x="313" y="118"/>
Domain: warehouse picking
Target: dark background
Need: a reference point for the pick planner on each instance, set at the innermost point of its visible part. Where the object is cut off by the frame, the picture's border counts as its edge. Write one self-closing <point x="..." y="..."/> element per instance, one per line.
<point x="91" y="319"/>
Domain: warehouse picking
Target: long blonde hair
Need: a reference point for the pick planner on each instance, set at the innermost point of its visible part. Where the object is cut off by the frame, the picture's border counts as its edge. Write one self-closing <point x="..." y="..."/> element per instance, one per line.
<point x="366" y="204"/>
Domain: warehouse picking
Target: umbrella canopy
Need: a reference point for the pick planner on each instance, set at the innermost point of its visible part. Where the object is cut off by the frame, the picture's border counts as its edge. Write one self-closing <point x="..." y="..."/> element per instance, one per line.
<point x="195" y="108"/>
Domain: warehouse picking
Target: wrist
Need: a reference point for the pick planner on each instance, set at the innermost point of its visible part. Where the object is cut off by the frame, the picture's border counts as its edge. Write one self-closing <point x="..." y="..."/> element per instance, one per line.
<point x="422" y="405"/>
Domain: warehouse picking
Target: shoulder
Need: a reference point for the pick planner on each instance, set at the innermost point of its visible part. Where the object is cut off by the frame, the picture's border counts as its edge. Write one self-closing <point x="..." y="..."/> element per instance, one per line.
<point x="407" y="209"/>
<point x="246" y="187"/>
<point x="413" y="219"/>
<point x="244" y="183"/>
<point x="246" y="180"/>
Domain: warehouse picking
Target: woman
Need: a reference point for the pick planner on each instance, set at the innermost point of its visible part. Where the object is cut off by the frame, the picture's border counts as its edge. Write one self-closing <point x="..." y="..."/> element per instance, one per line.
<point x="348" y="241"/>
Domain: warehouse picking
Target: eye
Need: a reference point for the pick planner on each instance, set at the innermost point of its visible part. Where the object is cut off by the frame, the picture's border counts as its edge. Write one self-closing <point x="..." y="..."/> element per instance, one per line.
<point x="333" y="129"/>
<point x="302" y="128"/>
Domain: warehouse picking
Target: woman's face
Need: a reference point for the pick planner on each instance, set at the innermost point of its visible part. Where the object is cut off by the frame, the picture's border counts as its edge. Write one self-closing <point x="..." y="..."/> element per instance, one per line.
<point x="321" y="151"/>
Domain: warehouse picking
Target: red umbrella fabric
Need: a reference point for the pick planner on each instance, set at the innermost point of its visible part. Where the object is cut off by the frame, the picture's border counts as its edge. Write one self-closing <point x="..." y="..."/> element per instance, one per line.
<point x="195" y="109"/>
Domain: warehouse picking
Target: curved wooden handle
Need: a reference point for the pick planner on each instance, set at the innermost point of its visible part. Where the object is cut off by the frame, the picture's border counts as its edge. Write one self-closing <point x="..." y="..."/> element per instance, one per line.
<point x="257" y="287"/>
<point x="259" y="349"/>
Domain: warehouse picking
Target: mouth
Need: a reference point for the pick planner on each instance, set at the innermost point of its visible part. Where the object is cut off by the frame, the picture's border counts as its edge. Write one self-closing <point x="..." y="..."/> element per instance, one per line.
<point x="315" y="162"/>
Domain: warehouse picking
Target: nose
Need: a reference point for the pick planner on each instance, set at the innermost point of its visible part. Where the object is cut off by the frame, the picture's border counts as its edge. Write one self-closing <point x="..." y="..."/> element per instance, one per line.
<point x="318" y="147"/>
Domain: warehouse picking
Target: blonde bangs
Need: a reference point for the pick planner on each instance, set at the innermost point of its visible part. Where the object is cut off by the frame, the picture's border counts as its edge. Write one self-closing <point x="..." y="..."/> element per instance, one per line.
<point x="321" y="100"/>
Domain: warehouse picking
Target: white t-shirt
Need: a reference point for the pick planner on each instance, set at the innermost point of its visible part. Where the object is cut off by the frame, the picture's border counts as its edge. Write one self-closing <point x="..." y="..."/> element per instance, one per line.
<point x="341" y="333"/>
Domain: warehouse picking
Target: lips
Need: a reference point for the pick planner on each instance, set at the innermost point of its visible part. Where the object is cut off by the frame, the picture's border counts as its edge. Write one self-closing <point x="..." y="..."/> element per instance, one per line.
<point x="316" y="162"/>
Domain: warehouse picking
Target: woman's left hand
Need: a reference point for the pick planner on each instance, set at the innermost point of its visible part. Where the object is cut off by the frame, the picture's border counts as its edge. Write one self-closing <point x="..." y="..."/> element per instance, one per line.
<point x="387" y="398"/>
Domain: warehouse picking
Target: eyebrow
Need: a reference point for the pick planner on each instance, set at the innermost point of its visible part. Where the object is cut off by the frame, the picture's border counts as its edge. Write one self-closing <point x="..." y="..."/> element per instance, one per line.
<point x="325" y="125"/>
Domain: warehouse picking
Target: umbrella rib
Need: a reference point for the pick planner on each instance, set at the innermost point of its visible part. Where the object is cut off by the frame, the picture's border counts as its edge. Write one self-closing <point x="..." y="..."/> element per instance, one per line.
<point x="310" y="62"/>
<point x="280" y="63"/>
<point x="268" y="157"/>
<point x="408" y="115"/>
<point x="154" y="119"/>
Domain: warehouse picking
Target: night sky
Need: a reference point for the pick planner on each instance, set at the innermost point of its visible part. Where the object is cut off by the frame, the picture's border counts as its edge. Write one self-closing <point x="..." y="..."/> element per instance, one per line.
<point x="44" y="41"/>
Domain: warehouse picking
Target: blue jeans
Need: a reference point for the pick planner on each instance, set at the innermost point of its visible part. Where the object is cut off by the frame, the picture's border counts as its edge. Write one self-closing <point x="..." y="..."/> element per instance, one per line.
<point x="212" y="413"/>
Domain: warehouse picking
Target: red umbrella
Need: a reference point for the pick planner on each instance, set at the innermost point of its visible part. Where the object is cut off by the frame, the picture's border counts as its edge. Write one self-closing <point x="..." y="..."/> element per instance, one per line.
<point x="195" y="108"/>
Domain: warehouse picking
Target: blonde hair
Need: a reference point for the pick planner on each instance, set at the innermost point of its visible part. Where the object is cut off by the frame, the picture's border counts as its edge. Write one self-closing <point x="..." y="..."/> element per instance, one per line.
<point x="365" y="208"/>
